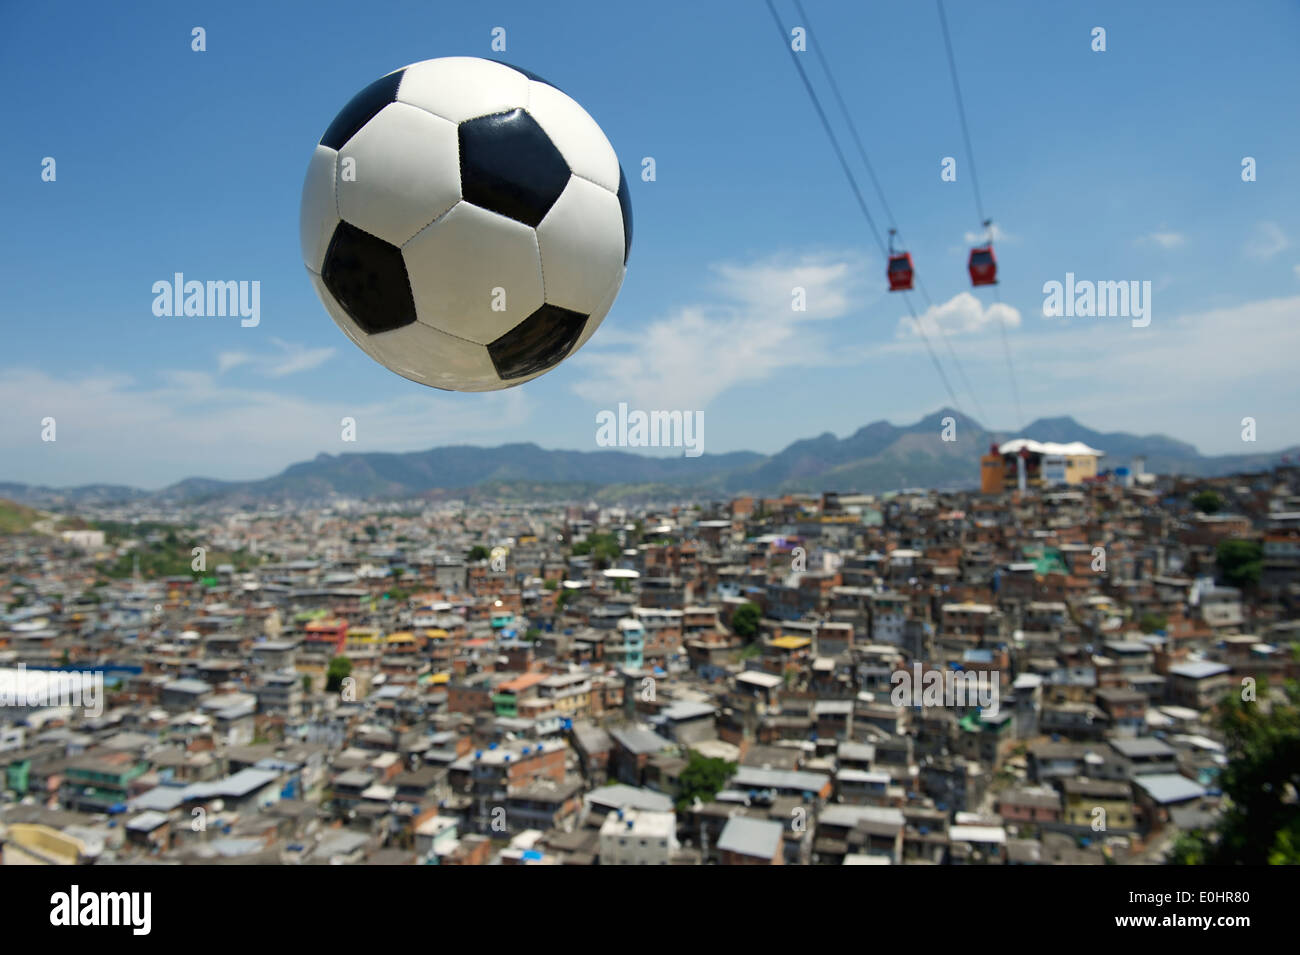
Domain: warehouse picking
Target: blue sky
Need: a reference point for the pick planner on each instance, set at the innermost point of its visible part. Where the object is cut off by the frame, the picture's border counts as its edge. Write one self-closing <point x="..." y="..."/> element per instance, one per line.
<point x="1122" y="165"/>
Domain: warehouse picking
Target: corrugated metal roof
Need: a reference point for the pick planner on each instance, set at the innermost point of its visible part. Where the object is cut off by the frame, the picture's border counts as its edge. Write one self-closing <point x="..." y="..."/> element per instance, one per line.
<point x="752" y="837"/>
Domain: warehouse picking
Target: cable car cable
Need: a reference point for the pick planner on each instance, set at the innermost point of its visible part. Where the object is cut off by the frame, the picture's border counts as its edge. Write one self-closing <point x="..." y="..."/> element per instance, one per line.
<point x="1006" y="349"/>
<point x="857" y="192"/>
<point x="848" y="119"/>
<point x="880" y="192"/>
<point x="961" y="369"/>
<point x="979" y="202"/>
<point x="961" y="112"/>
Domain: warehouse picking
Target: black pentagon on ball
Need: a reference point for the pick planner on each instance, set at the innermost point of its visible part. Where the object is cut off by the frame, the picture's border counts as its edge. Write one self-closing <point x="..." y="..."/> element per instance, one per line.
<point x="510" y="166"/>
<point x="528" y="73"/>
<point x="361" y="109"/>
<point x="625" y="203"/>
<point x="537" y="343"/>
<point x="367" y="277"/>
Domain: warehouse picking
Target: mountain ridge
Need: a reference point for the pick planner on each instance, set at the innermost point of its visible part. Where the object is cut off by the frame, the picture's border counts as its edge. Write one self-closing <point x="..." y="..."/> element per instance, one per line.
<point x="878" y="456"/>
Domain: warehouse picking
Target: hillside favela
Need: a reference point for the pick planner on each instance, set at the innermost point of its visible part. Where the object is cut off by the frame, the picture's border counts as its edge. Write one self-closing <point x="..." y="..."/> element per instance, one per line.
<point x="1061" y="659"/>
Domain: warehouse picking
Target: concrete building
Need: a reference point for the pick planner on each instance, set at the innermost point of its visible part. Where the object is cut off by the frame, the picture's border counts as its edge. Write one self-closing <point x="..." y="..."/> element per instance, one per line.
<point x="638" y="837"/>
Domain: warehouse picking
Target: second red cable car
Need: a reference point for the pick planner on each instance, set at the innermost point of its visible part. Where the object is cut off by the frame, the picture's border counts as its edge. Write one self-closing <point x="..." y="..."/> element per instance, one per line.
<point x="983" y="264"/>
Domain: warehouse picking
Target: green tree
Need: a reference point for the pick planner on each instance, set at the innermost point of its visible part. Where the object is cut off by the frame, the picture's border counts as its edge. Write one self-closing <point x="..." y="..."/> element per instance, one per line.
<point x="339" y="669"/>
<point x="703" y="777"/>
<point x="1151" y="622"/>
<point x="745" y="620"/>
<point x="1286" y="847"/>
<point x="603" y="548"/>
<point x="476" y="553"/>
<point x="1207" y="502"/>
<point x="1240" y="562"/>
<point x="1261" y="824"/>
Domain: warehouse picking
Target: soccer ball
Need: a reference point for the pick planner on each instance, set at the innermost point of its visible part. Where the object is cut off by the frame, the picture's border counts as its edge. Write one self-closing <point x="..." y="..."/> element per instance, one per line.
<point x="465" y="223"/>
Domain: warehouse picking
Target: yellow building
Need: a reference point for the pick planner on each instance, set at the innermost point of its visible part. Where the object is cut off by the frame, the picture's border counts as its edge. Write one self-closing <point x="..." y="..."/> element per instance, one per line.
<point x="1100" y="805"/>
<point x="1080" y="467"/>
<point x="786" y="650"/>
<point x="992" y="472"/>
<point x="35" y="844"/>
<point x="791" y="643"/>
<point x="362" y="638"/>
<point x="1046" y="464"/>
<point x="569" y="694"/>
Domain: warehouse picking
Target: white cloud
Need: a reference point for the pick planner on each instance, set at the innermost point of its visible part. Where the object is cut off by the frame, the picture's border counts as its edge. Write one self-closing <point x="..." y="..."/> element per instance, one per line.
<point x="750" y="333"/>
<point x="1241" y="343"/>
<point x="113" y="428"/>
<point x="961" y="314"/>
<point x="1267" y="241"/>
<point x="290" y="359"/>
<point x="1192" y="376"/>
<point x="231" y="359"/>
<point x="1166" y="240"/>
<point x="995" y="231"/>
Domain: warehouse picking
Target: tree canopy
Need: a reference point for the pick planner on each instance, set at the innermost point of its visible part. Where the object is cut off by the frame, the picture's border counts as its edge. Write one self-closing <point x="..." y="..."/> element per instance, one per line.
<point x="1151" y="622"/>
<point x="1261" y="783"/>
<point x="745" y="620"/>
<point x="1207" y="501"/>
<point x="1240" y="561"/>
<point x="339" y="669"/>
<point x="703" y="777"/>
<point x="603" y="548"/>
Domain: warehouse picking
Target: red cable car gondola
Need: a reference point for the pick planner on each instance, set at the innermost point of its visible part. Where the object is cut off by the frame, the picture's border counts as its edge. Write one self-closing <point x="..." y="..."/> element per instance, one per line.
<point x="983" y="264"/>
<point x="900" y="268"/>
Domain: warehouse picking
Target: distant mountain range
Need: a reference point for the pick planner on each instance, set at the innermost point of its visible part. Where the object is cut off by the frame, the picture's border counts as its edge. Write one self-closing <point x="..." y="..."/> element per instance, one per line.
<point x="878" y="457"/>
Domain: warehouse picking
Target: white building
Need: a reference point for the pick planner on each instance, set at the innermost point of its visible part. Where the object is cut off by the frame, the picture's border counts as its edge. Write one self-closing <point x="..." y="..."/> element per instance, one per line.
<point x="638" y="837"/>
<point x="86" y="540"/>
